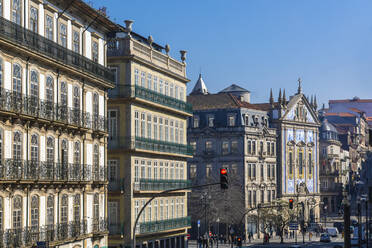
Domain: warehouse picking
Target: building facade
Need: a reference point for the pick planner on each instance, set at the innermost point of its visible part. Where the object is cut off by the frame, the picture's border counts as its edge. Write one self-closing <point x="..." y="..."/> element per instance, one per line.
<point x="53" y="80"/>
<point x="226" y="131"/>
<point x="147" y="143"/>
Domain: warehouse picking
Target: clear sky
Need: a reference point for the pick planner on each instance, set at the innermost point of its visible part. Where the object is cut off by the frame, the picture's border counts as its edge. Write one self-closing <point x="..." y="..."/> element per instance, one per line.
<point x="263" y="44"/>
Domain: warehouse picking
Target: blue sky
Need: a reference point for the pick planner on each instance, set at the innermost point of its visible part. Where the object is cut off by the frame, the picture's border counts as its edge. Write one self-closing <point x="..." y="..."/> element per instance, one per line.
<point x="263" y="44"/>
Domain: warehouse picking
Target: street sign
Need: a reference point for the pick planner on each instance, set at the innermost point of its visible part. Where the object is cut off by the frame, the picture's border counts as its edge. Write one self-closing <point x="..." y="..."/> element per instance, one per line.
<point x="293" y="226"/>
<point x="198" y="223"/>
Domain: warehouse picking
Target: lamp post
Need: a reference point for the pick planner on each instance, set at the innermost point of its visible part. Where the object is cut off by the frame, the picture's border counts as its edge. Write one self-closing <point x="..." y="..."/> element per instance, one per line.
<point x="218" y="230"/>
<point x="325" y="216"/>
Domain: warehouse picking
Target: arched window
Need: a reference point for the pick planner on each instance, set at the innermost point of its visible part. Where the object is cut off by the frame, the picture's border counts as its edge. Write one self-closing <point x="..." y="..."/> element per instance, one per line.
<point x="77" y="153"/>
<point x="77" y="207"/>
<point x="17" y="75"/>
<point x="50" y="150"/>
<point x="96" y="162"/>
<point x="49" y="89"/>
<point x="76" y="97"/>
<point x="50" y="210"/>
<point x="34" y="84"/>
<point x="34" y="148"/>
<point x="96" y="206"/>
<point x="16" y="11"/>
<point x="35" y="212"/>
<point x="64" y="152"/>
<point x="64" y="94"/>
<point x="1" y="214"/>
<point x="64" y="209"/>
<point x="95" y="104"/>
<point x="17" y="146"/>
<point x="17" y="212"/>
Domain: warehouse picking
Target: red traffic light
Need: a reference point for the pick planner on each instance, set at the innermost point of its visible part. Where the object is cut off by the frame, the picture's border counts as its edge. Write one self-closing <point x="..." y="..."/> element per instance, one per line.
<point x="223" y="171"/>
<point x="291" y="200"/>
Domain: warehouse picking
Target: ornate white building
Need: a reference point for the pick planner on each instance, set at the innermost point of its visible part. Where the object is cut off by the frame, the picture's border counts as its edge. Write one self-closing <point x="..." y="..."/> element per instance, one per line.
<point x="53" y="78"/>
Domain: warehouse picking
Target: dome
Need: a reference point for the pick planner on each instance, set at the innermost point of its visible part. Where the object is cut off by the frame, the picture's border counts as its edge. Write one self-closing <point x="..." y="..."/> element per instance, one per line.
<point x="328" y="127"/>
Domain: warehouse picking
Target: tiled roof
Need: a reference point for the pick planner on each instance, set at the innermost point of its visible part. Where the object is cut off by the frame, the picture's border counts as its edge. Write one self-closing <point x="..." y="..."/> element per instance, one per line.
<point x="350" y="100"/>
<point x="234" y="88"/>
<point x="341" y="114"/>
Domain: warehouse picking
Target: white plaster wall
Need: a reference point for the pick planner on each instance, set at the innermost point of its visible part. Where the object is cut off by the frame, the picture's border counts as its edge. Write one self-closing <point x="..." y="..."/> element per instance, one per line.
<point x="70" y="151"/>
<point x="42" y="216"/>
<point x="89" y="154"/>
<point x="24" y="80"/>
<point x="69" y="34"/>
<point x="101" y="104"/>
<point x="6" y="6"/>
<point x="55" y="27"/>
<point x="88" y="48"/>
<point x="89" y="211"/>
<point x="42" y="148"/>
<point x="69" y="92"/>
<point x="101" y="52"/>
<point x="41" y="19"/>
<point x="8" y="144"/>
<point x="7" y="75"/>
<point x="26" y="3"/>
<point x="88" y="102"/>
<point x="42" y="87"/>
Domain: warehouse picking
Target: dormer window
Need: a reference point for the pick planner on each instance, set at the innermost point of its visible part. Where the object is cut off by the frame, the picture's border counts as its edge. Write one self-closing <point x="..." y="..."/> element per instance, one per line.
<point x="210" y="121"/>
<point x="196" y="121"/>
<point x="246" y="120"/>
<point x="231" y="120"/>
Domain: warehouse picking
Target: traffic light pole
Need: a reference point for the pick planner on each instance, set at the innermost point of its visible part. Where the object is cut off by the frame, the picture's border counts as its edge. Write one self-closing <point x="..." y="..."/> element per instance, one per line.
<point x="159" y="195"/>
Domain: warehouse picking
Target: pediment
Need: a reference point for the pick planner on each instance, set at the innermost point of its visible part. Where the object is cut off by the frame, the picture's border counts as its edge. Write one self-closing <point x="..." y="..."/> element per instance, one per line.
<point x="299" y="110"/>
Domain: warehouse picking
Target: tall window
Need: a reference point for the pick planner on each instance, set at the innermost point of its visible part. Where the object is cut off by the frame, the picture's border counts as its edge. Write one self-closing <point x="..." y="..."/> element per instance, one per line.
<point x="143" y="79"/>
<point x="262" y="196"/>
<point x="96" y="206"/>
<point x="253" y="147"/>
<point x="64" y="94"/>
<point x="76" y="42"/>
<point x="310" y="164"/>
<point x="300" y="164"/>
<point x="254" y="197"/>
<point x="1" y="145"/>
<point x="149" y="81"/>
<point x="1" y="214"/>
<point x="50" y="210"/>
<point x="1" y="12"/>
<point x="136" y="171"/>
<point x="49" y="90"/>
<point x="136" y="124"/>
<point x="1" y="61"/>
<point x="112" y="170"/>
<point x="249" y="198"/>
<point x="16" y="11"/>
<point x="262" y="171"/>
<point x="143" y="126"/>
<point x="17" y="146"/>
<point x="290" y="163"/>
<point x="76" y="97"/>
<point x="77" y="159"/>
<point x="49" y="27"/>
<point x="149" y="129"/>
<point x="63" y="34"/>
<point x="155" y="127"/>
<point x="64" y="152"/>
<point x="33" y="19"/>
<point x="17" y="73"/>
<point x="64" y="209"/>
<point x="17" y="212"/>
<point x="95" y="105"/>
<point x="112" y="123"/>
<point x="112" y="212"/>
<point x="34" y="148"/>
<point x="136" y="77"/>
<point x="95" y="51"/>
<point x="77" y="207"/>
<point x="96" y="162"/>
<point x="35" y="212"/>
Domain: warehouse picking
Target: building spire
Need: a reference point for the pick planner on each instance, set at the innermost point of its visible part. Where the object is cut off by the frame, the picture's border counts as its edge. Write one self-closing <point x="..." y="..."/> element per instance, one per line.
<point x="312" y="101"/>
<point x="299" y="90"/>
<point x="284" y="98"/>
<point x="271" y="97"/>
<point x="280" y="96"/>
<point x="200" y="88"/>
<point x="315" y="104"/>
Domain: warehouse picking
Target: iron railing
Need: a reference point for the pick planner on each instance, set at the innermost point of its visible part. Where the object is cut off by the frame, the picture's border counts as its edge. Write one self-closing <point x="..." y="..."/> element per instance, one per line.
<point x="117" y="185"/>
<point x="160" y="184"/>
<point x="16" y="102"/>
<point x="131" y="91"/>
<point x="149" y="144"/>
<point x="16" y="34"/>
<point x="99" y="225"/>
<point x="49" y="233"/>
<point x="164" y="225"/>
<point x="13" y="169"/>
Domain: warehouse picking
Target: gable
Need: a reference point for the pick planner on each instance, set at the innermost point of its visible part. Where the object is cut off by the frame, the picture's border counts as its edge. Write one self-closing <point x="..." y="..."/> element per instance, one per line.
<point x="300" y="111"/>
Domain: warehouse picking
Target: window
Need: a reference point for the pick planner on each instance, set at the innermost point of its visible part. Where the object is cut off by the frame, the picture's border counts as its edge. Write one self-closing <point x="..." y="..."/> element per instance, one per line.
<point x="113" y="212"/>
<point x="143" y="126"/>
<point x="310" y="164"/>
<point x="149" y="81"/>
<point x="50" y="210"/>
<point x="231" y="120"/>
<point x="268" y="148"/>
<point x="143" y="79"/>
<point x="33" y="19"/>
<point x="254" y="198"/>
<point x="49" y="90"/>
<point x="301" y="165"/>
<point x="166" y="130"/>
<point x="95" y="51"/>
<point x="171" y="173"/>
<point x="262" y="196"/>
<point x="290" y="163"/>
<point x="63" y="35"/>
<point x="149" y="129"/>
<point x="34" y="92"/>
<point x="64" y="94"/>
<point x="249" y="198"/>
<point x="1" y="63"/>
<point x="193" y="145"/>
<point x="16" y="11"/>
<point x="208" y="146"/>
<point x="225" y="147"/>
<point x="143" y="169"/>
<point x="208" y="170"/>
<point x="64" y="152"/>
<point x="96" y="206"/>
<point x="149" y="170"/>
<point x="192" y="171"/>
<point x="161" y="210"/>
<point x="246" y="120"/>
<point x="155" y="170"/>
<point x="161" y="170"/>
<point x="149" y="214"/>
<point x="182" y="98"/>
<point x="261" y="147"/>
<point x="273" y="194"/>
<point x="210" y="121"/>
<point x="17" y="74"/>
<point x="1" y="214"/>
<point x="195" y="121"/>
<point x="181" y="133"/>
<point x="268" y="196"/>
<point x="166" y="88"/>
<point x="77" y="207"/>
<point x="234" y="146"/>
<point x="114" y="70"/>
<point x="113" y="170"/>
<point x="77" y="98"/>
<point x="171" y="92"/>
<point x="136" y="171"/>
<point x="64" y="209"/>
<point x="96" y="162"/>
<point x="136" y="77"/>
<point x="262" y="171"/>
<point x="155" y="84"/>
<point x="155" y="210"/>
<point x="77" y="159"/>
<point x="273" y="171"/>
<point x="17" y="212"/>
<point x="249" y="147"/>
<point x="160" y="128"/>
<point x="1" y="14"/>
<point x="249" y="168"/>
<point x="254" y="170"/>
<point x="49" y="27"/>
<point x="17" y="146"/>
<point x="112" y="123"/>
<point x="268" y="171"/>
<point x="34" y="148"/>
<point x="171" y="130"/>
<point x="95" y="105"/>
<point x="35" y="212"/>
<point x="253" y="147"/>
<point x="76" y="41"/>
<point x="136" y="208"/>
<point x="273" y="149"/>
<point x="155" y="127"/>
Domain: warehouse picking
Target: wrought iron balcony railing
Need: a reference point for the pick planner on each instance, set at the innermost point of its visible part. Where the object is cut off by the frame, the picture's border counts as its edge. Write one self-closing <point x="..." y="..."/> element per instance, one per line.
<point x="13" y="101"/>
<point x="16" y="34"/>
<point x="131" y="91"/>
<point x="149" y="145"/>
<point x="99" y="225"/>
<point x="159" y="184"/>
<point x="49" y="233"/>
<point x="12" y="169"/>
<point x="117" y="185"/>
<point x="164" y="225"/>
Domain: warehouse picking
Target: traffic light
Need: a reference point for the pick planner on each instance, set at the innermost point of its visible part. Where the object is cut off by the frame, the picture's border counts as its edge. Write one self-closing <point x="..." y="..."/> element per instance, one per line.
<point x="290" y="203"/>
<point x="239" y="242"/>
<point x="224" y="178"/>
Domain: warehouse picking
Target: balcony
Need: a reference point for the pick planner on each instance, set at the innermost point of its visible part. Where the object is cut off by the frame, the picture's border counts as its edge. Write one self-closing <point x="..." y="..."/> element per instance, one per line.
<point x="131" y="91"/>
<point x="99" y="225"/>
<point x="23" y="170"/>
<point x="131" y="143"/>
<point x="116" y="229"/>
<point x="160" y="185"/>
<point x="15" y="102"/>
<point x="16" y="34"/>
<point x="117" y="185"/>
<point x="61" y="232"/>
<point x="164" y="225"/>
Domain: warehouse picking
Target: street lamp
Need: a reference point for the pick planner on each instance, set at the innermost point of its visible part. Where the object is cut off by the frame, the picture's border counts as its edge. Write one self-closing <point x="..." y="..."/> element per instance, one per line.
<point x="205" y="197"/>
<point x="325" y="216"/>
<point x="218" y="230"/>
